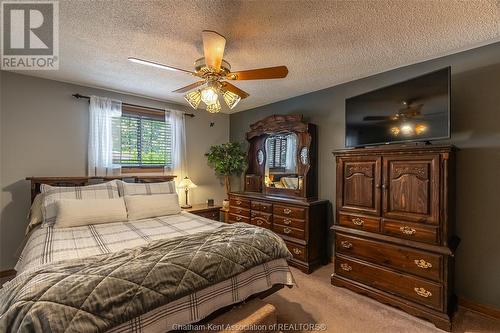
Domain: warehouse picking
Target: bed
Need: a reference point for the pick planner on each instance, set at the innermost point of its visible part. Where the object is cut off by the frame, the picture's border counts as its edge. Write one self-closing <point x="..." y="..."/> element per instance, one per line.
<point x="149" y="275"/>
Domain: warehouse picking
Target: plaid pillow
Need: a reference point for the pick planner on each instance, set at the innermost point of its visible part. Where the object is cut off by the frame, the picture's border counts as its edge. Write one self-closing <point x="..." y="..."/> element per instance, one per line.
<point x="146" y="188"/>
<point x="52" y="194"/>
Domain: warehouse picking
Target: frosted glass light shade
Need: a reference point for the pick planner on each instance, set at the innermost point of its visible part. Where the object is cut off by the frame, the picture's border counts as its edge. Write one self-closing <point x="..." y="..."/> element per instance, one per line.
<point x="231" y="99"/>
<point x="209" y="95"/>
<point x="186" y="183"/>
<point x="214" y="107"/>
<point x="193" y="98"/>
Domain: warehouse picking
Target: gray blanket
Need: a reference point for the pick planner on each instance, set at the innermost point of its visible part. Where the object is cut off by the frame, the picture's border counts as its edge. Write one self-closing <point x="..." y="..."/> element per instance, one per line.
<point x="97" y="293"/>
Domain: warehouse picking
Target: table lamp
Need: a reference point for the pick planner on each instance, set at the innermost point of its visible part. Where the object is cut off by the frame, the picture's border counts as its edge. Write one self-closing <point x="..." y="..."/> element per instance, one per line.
<point x="186" y="184"/>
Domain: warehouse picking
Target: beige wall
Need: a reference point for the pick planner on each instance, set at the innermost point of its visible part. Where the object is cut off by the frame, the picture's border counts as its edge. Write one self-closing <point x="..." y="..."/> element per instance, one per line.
<point x="475" y="111"/>
<point x="43" y="132"/>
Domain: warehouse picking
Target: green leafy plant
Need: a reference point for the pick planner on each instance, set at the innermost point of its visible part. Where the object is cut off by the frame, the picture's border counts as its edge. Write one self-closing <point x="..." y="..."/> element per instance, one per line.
<point x="227" y="159"/>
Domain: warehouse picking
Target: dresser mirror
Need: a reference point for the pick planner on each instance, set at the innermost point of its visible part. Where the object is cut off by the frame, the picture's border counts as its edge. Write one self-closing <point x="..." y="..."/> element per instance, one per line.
<point x="280" y="157"/>
<point x="281" y="163"/>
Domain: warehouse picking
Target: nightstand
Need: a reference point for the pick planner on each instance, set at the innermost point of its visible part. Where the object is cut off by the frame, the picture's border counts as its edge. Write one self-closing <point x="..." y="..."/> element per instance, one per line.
<point x="210" y="212"/>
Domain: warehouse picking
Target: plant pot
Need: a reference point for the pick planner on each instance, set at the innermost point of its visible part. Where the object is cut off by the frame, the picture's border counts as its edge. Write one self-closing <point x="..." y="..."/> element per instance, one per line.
<point x="225" y="204"/>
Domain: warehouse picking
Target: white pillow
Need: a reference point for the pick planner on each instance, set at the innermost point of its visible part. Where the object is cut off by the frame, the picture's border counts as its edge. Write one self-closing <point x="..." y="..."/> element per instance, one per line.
<point x="75" y="212"/>
<point x="145" y="206"/>
<point x="51" y="194"/>
<point x="35" y="216"/>
<point x="146" y="188"/>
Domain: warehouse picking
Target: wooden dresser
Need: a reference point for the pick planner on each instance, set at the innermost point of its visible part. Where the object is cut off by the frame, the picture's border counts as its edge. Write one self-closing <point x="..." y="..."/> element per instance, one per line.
<point x="301" y="224"/>
<point x="394" y="227"/>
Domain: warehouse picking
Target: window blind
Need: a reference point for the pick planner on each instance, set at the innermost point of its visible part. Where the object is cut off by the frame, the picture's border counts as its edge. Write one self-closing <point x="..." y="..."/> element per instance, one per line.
<point x="277" y="152"/>
<point x="142" y="142"/>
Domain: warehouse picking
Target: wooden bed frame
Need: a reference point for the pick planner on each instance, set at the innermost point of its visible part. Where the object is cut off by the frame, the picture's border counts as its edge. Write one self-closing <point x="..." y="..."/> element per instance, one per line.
<point x="36" y="182"/>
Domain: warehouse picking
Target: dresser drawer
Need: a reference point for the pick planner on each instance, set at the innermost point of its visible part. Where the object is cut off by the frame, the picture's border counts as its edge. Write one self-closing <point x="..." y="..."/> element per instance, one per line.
<point x="288" y="221"/>
<point x="289" y="211"/>
<point x="400" y="258"/>
<point x="233" y="218"/>
<point x="239" y="211"/>
<point x="262" y="206"/>
<point x="412" y="231"/>
<point x="239" y="202"/>
<point x="213" y="214"/>
<point x="359" y="222"/>
<point x="261" y="219"/>
<point x="298" y="251"/>
<point x="288" y="231"/>
<point x="412" y="288"/>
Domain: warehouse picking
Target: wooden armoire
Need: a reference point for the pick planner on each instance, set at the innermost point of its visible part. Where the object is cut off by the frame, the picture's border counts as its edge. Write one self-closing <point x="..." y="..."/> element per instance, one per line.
<point x="394" y="227"/>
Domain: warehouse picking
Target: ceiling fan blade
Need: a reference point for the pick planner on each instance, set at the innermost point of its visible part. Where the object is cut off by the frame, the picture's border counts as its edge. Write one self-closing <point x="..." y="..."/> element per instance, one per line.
<point x="259" y="74"/>
<point x="213" y="48"/>
<point x="229" y="87"/>
<point x="189" y="87"/>
<point x="158" y="65"/>
<point x="374" y="118"/>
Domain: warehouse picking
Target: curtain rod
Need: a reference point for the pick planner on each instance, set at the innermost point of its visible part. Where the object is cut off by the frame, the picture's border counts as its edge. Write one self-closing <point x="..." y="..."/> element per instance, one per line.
<point x="78" y="96"/>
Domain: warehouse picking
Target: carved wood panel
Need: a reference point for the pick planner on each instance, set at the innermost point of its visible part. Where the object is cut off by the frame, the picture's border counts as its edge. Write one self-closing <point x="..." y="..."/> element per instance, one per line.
<point x="411" y="188"/>
<point x="360" y="183"/>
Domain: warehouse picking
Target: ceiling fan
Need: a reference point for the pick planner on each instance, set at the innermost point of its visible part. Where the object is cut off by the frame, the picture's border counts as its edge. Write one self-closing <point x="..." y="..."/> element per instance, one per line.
<point x="408" y="110"/>
<point x="402" y="120"/>
<point x="214" y="72"/>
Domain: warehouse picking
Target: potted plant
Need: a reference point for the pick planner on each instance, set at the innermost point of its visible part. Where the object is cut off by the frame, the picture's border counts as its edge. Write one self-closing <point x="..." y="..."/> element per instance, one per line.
<point x="227" y="159"/>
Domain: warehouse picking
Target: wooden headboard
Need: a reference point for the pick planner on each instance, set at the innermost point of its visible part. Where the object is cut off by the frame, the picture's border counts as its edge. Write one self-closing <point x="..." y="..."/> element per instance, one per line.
<point x="36" y="182"/>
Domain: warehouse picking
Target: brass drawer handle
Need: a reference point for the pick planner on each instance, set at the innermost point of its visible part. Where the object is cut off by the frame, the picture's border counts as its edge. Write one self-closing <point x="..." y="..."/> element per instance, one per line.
<point x="296" y="250"/>
<point x="357" y="221"/>
<point x="287" y="211"/>
<point x="422" y="263"/>
<point x="287" y="230"/>
<point x="287" y="221"/>
<point x="346" y="267"/>
<point x="238" y="218"/>
<point x="346" y="244"/>
<point x="422" y="292"/>
<point x="238" y="202"/>
<point x="238" y="211"/>
<point x="408" y="231"/>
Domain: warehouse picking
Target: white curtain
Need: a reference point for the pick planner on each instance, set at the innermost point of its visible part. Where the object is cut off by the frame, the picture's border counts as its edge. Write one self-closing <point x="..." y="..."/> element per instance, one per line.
<point x="291" y="153"/>
<point x="179" y="164"/>
<point x="103" y="132"/>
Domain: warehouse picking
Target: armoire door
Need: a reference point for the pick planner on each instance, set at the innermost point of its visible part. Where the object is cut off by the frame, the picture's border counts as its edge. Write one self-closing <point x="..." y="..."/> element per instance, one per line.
<point x="411" y="188"/>
<point x="358" y="188"/>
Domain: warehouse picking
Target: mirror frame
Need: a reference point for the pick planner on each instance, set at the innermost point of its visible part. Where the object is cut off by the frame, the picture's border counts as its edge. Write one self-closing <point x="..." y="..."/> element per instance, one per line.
<point x="306" y="138"/>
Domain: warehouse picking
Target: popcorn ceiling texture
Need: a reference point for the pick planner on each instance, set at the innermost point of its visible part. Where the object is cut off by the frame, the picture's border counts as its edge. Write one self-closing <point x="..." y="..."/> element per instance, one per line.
<point x="323" y="43"/>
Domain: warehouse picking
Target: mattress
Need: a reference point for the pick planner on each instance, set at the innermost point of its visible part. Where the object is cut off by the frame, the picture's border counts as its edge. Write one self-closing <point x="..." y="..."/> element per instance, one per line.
<point x="49" y="244"/>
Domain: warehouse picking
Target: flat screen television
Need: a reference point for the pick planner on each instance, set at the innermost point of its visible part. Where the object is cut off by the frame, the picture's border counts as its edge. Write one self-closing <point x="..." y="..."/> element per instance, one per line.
<point x="414" y="110"/>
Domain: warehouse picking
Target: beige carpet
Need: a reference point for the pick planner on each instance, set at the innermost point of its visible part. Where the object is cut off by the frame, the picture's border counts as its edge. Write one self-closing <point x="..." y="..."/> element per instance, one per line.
<point x="315" y="300"/>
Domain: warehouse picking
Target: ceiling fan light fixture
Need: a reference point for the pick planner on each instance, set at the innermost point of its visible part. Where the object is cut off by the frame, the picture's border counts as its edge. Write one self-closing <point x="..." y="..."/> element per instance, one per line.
<point x="214" y="107"/>
<point x="193" y="98"/>
<point x="231" y="99"/>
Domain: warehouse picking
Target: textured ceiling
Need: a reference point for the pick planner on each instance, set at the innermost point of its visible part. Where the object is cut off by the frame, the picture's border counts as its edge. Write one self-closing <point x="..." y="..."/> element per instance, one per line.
<point x="323" y="43"/>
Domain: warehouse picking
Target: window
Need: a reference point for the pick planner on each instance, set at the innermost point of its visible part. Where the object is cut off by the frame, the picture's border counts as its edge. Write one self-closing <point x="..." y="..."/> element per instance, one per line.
<point x="145" y="140"/>
<point x="277" y="152"/>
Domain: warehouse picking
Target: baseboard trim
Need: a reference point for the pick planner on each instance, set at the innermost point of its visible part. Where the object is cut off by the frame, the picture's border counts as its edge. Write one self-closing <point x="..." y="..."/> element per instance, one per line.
<point x="483" y="309"/>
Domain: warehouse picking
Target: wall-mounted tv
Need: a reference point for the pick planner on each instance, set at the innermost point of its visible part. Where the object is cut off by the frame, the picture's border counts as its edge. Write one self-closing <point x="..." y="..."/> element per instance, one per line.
<point x="414" y="110"/>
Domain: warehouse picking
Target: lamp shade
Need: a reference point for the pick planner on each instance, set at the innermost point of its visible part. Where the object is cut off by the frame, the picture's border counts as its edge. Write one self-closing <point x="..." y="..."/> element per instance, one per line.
<point x="186" y="183"/>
